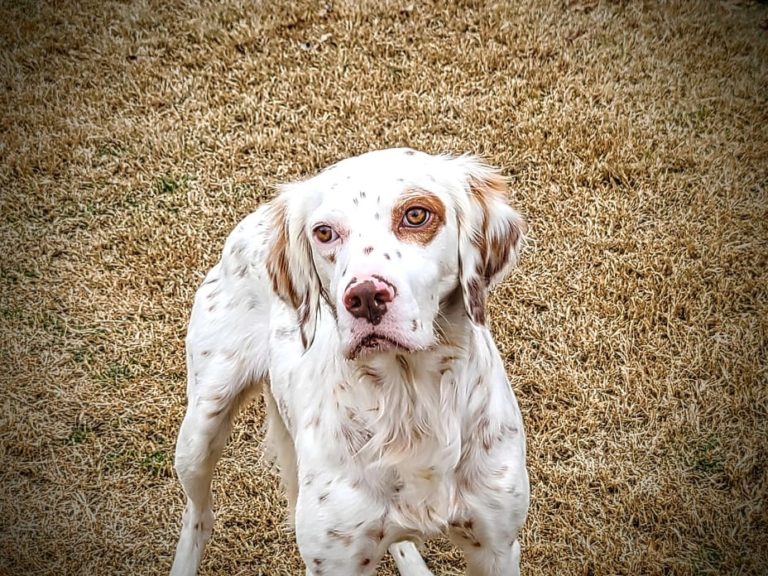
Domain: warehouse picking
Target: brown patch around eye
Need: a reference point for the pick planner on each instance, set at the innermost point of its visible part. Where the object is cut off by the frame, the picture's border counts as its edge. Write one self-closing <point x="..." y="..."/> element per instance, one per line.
<point x="418" y="198"/>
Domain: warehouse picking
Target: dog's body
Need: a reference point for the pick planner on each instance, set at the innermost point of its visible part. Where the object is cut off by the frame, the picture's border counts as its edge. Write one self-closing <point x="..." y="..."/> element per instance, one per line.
<point x="355" y="300"/>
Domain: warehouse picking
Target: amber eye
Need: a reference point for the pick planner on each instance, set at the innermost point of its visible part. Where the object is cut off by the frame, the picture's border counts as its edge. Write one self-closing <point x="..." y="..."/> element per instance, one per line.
<point x="325" y="234"/>
<point x="416" y="216"/>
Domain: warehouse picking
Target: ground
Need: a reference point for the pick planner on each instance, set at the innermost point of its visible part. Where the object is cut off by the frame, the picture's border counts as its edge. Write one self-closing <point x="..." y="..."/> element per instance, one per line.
<point x="134" y="135"/>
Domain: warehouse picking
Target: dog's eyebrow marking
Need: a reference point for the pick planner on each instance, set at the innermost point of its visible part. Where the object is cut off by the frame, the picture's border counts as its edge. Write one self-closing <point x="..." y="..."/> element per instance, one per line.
<point x="421" y="198"/>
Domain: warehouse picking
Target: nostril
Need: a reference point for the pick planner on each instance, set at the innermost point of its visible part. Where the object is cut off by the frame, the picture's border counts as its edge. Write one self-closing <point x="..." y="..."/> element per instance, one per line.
<point x="355" y="302"/>
<point x="382" y="297"/>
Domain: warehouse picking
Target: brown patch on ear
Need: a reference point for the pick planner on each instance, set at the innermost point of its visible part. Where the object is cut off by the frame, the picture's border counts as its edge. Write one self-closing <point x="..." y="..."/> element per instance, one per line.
<point x="277" y="256"/>
<point x="476" y="299"/>
<point x="494" y="248"/>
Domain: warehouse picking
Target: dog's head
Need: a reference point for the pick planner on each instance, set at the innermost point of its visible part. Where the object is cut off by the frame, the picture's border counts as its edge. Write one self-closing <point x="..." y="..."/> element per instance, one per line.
<point x="386" y="239"/>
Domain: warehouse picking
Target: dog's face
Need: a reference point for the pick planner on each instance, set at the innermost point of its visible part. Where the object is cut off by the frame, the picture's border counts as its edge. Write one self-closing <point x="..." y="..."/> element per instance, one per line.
<point x="386" y="238"/>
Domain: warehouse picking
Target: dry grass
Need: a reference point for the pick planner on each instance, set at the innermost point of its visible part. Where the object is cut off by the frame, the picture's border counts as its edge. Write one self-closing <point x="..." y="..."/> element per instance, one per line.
<point x="134" y="136"/>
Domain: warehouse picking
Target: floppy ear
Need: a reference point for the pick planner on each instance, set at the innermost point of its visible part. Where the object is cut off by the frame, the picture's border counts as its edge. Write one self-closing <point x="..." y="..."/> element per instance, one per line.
<point x="491" y="235"/>
<point x="289" y="261"/>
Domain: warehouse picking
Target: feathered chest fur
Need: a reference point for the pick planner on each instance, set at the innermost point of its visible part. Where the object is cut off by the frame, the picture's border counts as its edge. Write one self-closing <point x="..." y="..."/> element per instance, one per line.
<point x="399" y="426"/>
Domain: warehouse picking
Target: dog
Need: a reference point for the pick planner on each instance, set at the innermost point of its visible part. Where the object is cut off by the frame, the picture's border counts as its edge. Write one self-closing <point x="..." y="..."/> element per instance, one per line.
<point x="355" y="302"/>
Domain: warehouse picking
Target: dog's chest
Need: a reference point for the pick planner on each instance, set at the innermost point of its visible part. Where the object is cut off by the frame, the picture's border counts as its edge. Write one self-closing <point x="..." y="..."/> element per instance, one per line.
<point x="382" y="429"/>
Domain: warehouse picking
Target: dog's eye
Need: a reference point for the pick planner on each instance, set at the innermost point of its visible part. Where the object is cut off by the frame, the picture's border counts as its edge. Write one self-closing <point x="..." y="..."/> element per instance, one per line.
<point x="416" y="216"/>
<point x="325" y="234"/>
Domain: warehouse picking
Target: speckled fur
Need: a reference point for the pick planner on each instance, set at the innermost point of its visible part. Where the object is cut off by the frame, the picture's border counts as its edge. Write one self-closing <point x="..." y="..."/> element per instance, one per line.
<point x="379" y="446"/>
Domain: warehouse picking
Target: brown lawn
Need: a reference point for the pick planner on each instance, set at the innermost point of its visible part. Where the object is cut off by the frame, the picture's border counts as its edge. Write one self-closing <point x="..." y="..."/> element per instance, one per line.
<point x="134" y="135"/>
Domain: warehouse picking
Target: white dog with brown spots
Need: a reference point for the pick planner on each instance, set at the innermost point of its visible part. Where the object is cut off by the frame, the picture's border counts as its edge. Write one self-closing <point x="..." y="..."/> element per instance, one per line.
<point x="356" y="302"/>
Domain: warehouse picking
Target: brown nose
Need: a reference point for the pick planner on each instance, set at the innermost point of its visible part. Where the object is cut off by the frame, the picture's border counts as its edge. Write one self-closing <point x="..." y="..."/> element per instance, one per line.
<point x="368" y="300"/>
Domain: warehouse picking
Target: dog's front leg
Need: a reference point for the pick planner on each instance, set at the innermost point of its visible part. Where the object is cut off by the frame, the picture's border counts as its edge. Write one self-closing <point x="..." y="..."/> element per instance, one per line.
<point x="496" y="510"/>
<point x="339" y="528"/>
<point x="215" y="396"/>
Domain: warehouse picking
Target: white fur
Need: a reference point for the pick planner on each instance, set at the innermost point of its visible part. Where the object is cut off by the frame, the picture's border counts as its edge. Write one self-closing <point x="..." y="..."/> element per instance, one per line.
<point x="378" y="446"/>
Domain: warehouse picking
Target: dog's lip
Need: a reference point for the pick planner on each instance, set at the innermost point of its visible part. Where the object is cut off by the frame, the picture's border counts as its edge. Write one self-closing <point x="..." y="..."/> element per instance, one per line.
<point x="375" y="342"/>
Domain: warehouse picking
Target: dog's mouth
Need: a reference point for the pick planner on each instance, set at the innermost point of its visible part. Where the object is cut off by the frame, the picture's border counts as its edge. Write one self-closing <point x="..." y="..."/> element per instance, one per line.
<point x="373" y="343"/>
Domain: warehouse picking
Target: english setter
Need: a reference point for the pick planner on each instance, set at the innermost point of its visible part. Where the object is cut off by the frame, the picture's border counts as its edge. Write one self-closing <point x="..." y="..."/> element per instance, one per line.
<point x="355" y="301"/>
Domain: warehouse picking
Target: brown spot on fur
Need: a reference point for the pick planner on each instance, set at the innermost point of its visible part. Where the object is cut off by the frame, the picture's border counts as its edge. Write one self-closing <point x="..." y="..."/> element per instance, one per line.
<point x="494" y="248"/>
<point x="386" y="255"/>
<point x="409" y="152"/>
<point x="367" y="250"/>
<point x="476" y="297"/>
<point x="277" y="257"/>
<point x="463" y="530"/>
<point x="375" y="531"/>
<point x="412" y="198"/>
<point x="405" y="369"/>
<point x="483" y="430"/>
<point x="365" y="562"/>
<point x="331" y="258"/>
<point x="373" y="375"/>
<point x="340" y="536"/>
